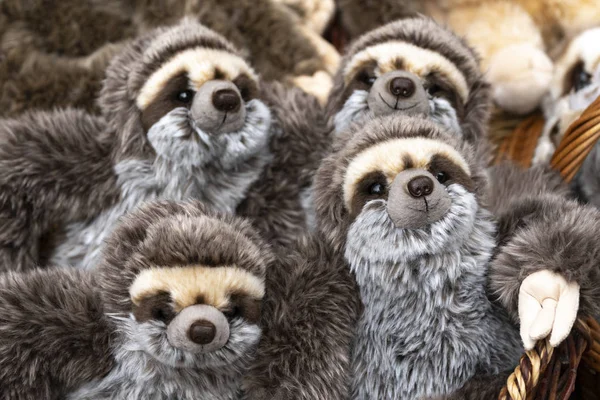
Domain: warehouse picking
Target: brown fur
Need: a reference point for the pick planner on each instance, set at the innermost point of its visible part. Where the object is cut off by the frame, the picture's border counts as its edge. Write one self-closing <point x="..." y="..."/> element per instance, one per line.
<point x="55" y="168"/>
<point x="44" y="49"/>
<point x="56" y="337"/>
<point x="300" y="142"/>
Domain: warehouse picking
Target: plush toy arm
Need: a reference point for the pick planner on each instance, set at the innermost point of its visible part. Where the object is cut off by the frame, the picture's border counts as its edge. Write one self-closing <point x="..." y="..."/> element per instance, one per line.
<point x="53" y="336"/>
<point x="298" y="143"/>
<point x="479" y="387"/>
<point x="540" y="229"/>
<point x="310" y="310"/>
<point x="54" y="168"/>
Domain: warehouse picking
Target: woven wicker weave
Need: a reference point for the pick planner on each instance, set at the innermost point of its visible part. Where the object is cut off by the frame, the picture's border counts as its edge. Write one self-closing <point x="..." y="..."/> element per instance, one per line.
<point x="572" y="370"/>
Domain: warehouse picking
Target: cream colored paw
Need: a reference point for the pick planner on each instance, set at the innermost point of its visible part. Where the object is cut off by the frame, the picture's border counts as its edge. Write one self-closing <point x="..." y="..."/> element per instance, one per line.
<point x="520" y="76"/>
<point x="548" y="306"/>
<point x="319" y="85"/>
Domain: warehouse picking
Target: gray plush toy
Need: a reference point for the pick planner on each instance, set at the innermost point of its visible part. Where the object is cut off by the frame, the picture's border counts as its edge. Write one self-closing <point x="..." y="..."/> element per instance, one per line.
<point x="183" y="117"/>
<point x="422" y="264"/>
<point x="411" y="67"/>
<point x="171" y="312"/>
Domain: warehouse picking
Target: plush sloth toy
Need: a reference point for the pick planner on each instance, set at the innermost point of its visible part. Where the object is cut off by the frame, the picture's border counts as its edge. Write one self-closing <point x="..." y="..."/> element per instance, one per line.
<point x="389" y="299"/>
<point x="413" y="67"/>
<point x="183" y="117"/>
<point x="171" y="312"/>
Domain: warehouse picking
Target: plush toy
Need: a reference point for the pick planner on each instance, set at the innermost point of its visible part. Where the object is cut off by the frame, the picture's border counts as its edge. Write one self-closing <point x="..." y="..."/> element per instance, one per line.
<point x="422" y="266"/>
<point x="182" y="117"/>
<point x="512" y="36"/>
<point x="413" y="67"/>
<point x="171" y="312"/>
<point x="49" y="56"/>
<point x="575" y="85"/>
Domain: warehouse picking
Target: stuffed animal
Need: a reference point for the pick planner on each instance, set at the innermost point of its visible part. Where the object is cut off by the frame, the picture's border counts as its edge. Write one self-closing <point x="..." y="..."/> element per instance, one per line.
<point x="575" y="85"/>
<point x="414" y="67"/>
<point x="46" y="52"/>
<point x="513" y="37"/>
<point x="182" y="118"/>
<point x="422" y="264"/>
<point x="171" y="312"/>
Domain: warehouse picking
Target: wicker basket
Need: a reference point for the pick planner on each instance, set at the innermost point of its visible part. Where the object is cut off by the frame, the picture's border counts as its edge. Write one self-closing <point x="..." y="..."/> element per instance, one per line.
<point x="572" y="370"/>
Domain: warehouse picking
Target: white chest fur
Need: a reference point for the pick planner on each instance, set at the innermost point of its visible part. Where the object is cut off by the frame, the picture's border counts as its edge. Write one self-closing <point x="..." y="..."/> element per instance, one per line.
<point x="142" y="181"/>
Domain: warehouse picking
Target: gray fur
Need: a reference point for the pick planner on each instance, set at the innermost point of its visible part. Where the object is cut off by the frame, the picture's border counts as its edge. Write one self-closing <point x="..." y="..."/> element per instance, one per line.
<point x="425" y="328"/>
<point x="148" y="367"/>
<point x="587" y="180"/>
<point x="217" y="169"/>
<point x="356" y="110"/>
<point x="77" y="337"/>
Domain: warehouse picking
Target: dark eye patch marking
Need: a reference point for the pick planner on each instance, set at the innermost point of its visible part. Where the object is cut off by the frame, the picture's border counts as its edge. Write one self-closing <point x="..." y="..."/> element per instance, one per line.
<point x="167" y="100"/>
<point x="247" y="87"/>
<point x="157" y="307"/>
<point x="220" y="75"/>
<point x="576" y="79"/>
<point x="363" y="192"/>
<point x="452" y="173"/>
<point x="243" y="306"/>
<point x="358" y="82"/>
<point x="438" y="86"/>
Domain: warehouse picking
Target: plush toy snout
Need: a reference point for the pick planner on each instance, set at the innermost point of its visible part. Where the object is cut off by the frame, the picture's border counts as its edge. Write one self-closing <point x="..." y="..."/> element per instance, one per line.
<point x="198" y="329"/>
<point x="218" y="107"/>
<point x="398" y="91"/>
<point x="417" y="199"/>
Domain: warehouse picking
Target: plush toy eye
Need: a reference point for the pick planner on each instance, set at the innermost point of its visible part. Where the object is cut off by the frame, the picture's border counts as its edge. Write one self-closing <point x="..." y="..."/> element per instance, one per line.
<point x="367" y="78"/>
<point x="377" y="189"/>
<point x="581" y="79"/>
<point x="162" y="314"/>
<point x="441" y="177"/>
<point x="234" y="312"/>
<point x="185" y="96"/>
<point x="434" y="90"/>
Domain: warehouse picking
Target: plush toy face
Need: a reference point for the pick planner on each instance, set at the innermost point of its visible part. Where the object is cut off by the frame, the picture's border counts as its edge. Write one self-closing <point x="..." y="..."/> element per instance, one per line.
<point x="398" y="76"/>
<point x="201" y="106"/>
<point x="196" y="316"/>
<point x="408" y="197"/>
<point x="576" y="82"/>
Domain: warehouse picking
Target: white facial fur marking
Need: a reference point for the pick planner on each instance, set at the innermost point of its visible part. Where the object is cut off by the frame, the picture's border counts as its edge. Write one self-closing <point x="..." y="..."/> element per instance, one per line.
<point x="583" y="48"/>
<point x="185" y="284"/>
<point x="415" y="59"/>
<point x="387" y="157"/>
<point x="200" y="64"/>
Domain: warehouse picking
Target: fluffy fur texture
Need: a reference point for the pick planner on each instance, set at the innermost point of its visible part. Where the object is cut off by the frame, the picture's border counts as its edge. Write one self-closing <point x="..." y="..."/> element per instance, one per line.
<point x="461" y="105"/>
<point x="57" y="57"/>
<point x="79" y="338"/>
<point x="298" y="363"/>
<point x="512" y="36"/>
<point x="299" y="140"/>
<point x="68" y="176"/>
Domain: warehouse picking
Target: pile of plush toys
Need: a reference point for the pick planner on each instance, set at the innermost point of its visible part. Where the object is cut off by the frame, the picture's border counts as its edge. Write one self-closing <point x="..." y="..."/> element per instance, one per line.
<point x="205" y="200"/>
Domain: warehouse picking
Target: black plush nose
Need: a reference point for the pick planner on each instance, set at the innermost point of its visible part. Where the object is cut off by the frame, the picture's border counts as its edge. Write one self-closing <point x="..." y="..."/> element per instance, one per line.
<point x="226" y="100"/>
<point x="202" y="332"/>
<point x="420" y="186"/>
<point x="401" y="86"/>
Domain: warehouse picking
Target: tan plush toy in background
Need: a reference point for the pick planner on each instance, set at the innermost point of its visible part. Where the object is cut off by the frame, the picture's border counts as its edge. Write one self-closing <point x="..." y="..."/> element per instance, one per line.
<point x="513" y="37"/>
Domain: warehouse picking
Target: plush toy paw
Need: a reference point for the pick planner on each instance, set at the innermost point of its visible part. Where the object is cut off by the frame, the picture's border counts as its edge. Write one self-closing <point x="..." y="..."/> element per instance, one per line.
<point x="520" y="76"/>
<point x="548" y="305"/>
<point x="319" y="85"/>
<point x="543" y="152"/>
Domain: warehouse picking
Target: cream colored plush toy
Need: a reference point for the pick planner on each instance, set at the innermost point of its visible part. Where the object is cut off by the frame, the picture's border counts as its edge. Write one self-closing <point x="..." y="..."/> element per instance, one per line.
<point x="513" y="37"/>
